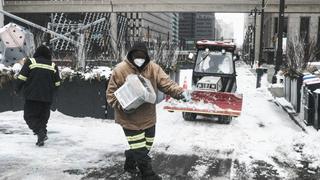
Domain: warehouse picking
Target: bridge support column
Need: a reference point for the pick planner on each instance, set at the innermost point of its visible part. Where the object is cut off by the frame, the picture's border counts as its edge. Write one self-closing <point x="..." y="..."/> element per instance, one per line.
<point x="257" y="45"/>
<point x="114" y="34"/>
<point x="1" y="15"/>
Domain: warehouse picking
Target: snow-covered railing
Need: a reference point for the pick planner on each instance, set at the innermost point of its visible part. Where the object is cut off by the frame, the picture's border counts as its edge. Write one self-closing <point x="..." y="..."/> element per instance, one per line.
<point x="81" y="94"/>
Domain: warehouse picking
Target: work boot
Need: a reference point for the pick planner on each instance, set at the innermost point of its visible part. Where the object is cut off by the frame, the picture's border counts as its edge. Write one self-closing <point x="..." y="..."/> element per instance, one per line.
<point x="41" y="138"/>
<point x="130" y="165"/>
<point x="46" y="136"/>
<point x="145" y="168"/>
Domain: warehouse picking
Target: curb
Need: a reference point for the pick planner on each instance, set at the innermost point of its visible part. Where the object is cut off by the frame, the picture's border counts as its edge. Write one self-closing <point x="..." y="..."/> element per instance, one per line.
<point x="292" y="115"/>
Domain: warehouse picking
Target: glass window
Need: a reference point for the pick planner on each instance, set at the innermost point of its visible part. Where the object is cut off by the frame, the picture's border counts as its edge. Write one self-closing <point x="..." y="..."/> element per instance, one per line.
<point x="304" y="29"/>
<point x="214" y="62"/>
<point x="285" y="26"/>
<point x="318" y="41"/>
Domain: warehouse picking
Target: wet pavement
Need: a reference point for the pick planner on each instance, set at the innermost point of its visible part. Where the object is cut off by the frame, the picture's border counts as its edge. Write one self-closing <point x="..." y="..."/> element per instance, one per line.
<point x="176" y="167"/>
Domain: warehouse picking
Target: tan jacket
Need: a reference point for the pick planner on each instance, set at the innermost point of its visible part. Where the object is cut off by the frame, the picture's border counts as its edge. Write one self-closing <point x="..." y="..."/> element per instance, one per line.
<point x="145" y="116"/>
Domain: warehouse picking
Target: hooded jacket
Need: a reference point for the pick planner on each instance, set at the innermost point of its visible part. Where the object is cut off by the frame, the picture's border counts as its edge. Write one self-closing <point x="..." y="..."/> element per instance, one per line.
<point x="145" y="115"/>
<point x="39" y="77"/>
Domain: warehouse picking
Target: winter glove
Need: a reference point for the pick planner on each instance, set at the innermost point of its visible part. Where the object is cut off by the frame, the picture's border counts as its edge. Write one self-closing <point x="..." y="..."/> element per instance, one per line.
<point x="185" y="96"/>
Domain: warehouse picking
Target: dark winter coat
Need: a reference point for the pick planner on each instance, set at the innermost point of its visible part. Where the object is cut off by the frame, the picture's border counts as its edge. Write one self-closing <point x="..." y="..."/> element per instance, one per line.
<point x="145" y="115"/>
<point x="39" y="77"/>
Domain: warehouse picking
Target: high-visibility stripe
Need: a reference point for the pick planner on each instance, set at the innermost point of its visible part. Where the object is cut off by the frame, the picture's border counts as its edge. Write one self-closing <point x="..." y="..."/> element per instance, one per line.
<point x="149" y="139"/>
<point x="34" y="64"/>
<point x="42" y="66"/>
<point x="148" y="147"/>
<point x="57" y="83"/>
<point x="136" y="137"/>
<point x="138" y="145"/>
<point x="21" y="77"/>
<point x="33" y="61"/>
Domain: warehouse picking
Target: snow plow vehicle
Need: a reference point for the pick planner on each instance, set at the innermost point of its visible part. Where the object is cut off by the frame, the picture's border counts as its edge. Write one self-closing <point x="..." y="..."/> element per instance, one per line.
<point x="213" y="84"/>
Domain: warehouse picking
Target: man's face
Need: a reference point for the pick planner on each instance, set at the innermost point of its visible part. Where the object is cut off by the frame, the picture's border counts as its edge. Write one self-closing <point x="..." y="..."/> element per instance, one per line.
<point x="138" y="54"/>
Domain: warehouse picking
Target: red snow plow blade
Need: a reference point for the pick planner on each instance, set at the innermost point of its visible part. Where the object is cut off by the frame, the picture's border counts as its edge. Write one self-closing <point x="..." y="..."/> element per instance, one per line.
<point x="208" y="102"/>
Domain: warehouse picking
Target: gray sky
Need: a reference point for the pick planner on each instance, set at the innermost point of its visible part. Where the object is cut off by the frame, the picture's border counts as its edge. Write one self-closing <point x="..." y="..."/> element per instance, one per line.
<point x="237" y="19"/>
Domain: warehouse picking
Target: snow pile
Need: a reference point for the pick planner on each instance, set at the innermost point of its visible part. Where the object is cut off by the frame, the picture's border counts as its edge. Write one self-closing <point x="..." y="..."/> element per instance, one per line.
<point x="8" y="69"/>
<point x="2" y="67"/>
<point x="284" y="103"/>
<point x="98" y="73"/>
<point x="66" y="72"/>
<point x="16" y="68"/>
<point x="9" y="73"/>
<point x="200" y="106"/>
<point x="280" y="85"/>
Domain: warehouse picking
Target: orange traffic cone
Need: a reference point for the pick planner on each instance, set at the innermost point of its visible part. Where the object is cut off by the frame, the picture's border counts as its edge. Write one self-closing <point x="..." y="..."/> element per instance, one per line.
<point x="185" y="83"/>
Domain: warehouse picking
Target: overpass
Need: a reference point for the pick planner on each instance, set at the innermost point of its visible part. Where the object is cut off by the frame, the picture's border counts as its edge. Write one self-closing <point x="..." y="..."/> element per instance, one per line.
<point x="227" y="6"/>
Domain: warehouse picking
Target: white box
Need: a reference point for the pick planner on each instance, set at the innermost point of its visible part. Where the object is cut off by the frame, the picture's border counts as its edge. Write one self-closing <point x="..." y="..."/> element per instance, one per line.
<point x="134" y="92"/>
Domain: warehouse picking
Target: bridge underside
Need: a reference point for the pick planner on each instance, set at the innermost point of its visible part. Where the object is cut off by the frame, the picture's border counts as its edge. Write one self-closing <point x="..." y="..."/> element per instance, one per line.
<point x="234" y="6"/>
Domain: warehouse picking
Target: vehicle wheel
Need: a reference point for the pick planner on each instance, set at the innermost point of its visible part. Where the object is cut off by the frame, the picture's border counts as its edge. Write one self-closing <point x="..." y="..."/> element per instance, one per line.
<point x="189" y="116"/>
<point x="225" y="119"/>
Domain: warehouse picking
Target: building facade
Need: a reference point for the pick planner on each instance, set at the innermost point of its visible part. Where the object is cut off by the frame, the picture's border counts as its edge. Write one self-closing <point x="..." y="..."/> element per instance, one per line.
<point x="296" y="26"/>
<point x="153" y="27"/>
<point x="196" y="26"/>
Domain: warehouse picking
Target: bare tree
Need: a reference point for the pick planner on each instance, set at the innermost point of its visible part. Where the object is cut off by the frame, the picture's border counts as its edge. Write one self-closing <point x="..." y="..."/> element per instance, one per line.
<point x="299" y="53"/>
<point x="164" y="55"/>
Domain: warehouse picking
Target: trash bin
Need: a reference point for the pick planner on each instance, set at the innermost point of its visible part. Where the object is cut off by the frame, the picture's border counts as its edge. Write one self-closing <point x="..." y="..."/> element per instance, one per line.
<point x="268" y="55"/>
<point x="260" y="71"/>
<point x="316" y="122"/>
<point x="309" y="101"/>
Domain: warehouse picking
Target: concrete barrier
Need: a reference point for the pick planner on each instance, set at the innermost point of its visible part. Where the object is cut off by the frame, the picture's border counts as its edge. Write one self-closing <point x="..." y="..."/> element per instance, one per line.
<point x="77" y="98"/>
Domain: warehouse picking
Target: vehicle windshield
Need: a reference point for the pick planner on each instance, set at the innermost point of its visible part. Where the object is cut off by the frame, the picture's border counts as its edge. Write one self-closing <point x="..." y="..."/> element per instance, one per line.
<point x="214" y="62"/>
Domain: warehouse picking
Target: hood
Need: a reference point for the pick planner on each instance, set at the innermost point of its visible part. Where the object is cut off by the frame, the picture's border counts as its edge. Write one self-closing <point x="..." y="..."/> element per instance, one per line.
<point x="43" y="52"/>
<point x="139" y="46"/>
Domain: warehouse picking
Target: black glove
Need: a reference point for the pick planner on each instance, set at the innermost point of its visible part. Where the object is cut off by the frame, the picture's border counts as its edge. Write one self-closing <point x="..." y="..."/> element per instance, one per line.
<point x="184" y="96"/>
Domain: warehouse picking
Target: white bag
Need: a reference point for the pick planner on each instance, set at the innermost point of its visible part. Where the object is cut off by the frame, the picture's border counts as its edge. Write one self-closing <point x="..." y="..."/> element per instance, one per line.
<point x="134" y="92"/>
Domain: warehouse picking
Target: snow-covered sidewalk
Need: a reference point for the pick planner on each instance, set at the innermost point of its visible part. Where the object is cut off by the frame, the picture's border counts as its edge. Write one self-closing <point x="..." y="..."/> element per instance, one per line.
<point x="262" y="142"/>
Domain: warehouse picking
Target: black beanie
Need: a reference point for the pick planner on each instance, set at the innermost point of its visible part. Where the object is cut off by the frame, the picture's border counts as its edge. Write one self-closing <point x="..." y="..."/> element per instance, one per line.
<point x="43" y="51"/>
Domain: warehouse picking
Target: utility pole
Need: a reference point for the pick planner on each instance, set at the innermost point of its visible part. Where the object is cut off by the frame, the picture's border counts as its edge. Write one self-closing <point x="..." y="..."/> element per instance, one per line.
<point x="280" y="36"/>
<point x="260" y="71"/>
<point x="254" y="13"/>
<point x="254" y="35"/>
<point x="261" y="33"/>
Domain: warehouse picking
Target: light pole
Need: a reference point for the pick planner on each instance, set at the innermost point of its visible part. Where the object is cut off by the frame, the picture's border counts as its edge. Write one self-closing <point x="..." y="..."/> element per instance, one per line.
<point x="254" y="13"/>
<point x="280" y="36"/>
<point x="261" y="33"/>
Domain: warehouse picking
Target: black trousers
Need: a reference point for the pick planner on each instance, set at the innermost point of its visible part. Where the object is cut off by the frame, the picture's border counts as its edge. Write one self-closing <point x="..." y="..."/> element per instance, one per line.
<point x="140" y="142"/>
<point x="36" y="115"/>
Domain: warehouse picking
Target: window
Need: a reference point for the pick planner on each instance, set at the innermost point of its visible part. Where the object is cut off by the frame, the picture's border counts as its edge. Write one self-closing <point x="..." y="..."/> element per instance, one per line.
<point x="318" y="41"/>
<point x="304" y="29"/>
<point x="285" y="26"/>
<point x="214" y="62"/>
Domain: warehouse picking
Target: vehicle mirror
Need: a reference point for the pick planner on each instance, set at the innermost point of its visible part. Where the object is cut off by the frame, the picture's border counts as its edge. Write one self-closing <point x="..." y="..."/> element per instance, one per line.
<point x="191" y="56"/>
